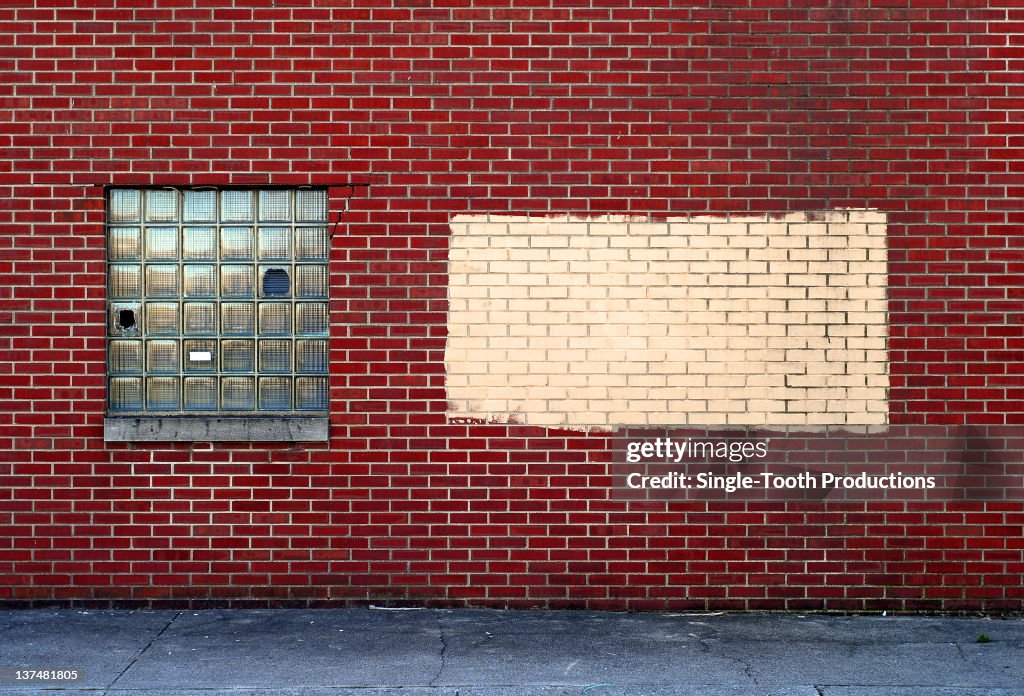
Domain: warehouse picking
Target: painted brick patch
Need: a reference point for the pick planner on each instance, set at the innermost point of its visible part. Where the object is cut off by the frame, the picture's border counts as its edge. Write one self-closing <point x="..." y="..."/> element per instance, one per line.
<point x="691" y="321"/>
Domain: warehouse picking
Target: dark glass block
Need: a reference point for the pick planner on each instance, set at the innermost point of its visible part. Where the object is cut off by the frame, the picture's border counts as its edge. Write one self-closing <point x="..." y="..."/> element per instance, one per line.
<point x="125" y="394"/>
<point x="162" y="318"/>
<point x="275" y="393"/>
<point x="311" y="393"/>
<point x="238" y="393"/>
<point x="236" y="356"/>
<point x="311" y="281"/>
<point x="236" y="281"/>
<point x="163" y="393"/>
<point x="276" y="356"/>
<point x="124" y="356"/>
<point x="311" y="318"/>
<point x="238" y="318"/>
<point x="200" y="393"/>
<point x="162" y="356"/>
<point x="275" y="318"/>
<point x="162" y="280"/>
<point x="200" y="281"/>
<point x="311" y="356"/>
<point x="200" y="318"/>
<point x="125" y="281"/>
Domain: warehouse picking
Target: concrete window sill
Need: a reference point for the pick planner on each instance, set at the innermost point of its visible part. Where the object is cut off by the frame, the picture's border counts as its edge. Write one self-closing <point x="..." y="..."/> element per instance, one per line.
<point x="215" y="429"/>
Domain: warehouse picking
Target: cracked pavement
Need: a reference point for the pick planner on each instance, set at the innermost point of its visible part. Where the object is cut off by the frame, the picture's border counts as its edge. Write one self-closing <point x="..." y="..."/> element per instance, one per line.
<point x="510" y="653"/>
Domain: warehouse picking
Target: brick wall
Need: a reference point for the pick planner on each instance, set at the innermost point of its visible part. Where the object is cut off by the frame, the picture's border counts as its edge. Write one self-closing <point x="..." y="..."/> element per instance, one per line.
<point x="414" y="114"/>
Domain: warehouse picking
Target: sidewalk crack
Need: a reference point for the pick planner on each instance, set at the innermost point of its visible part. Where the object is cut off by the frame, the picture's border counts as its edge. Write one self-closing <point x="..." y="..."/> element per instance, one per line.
<point x="748" y="668"/>
<point x="442" y="656"/>
<point x="139" y="654"/>
<point x="704" y="642"/>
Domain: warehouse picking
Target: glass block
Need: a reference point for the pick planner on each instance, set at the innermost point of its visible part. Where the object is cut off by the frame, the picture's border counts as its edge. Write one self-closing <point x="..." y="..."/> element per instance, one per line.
<point x="162" y="318"/>
<point x="311" y="356"/>
<point x="311" y="243"/>
<point x="125" y="318"/>
<point x="163" y="393"/>
<point x="162" y="243"/>
<point x="275" y="393"/>
<point x="200" y="206"/>
<point x="200" y="356"/>
<point x="125" y="205"/>
<point x="275" y="205"/>
<point x="124" y="243"/>
<point x="236" y="281"/>
<point x="200" y="318"/>
<point x="236" y="356"/>
<point x="275" y="281"/>
<point x="311" y="205"/>
<point x="125" y="281"/>
<point x="162" y="356"/>
<point x="238" y="394"/>
<point x="275" y="356"/>
<point x="238" y="318"/>
<point x="161" y="204"/>
<point x="125" y="356"/>
<point x="200" y="281"/>
<point x="275" y="243"/>
<point x="125" y="394"/>
<point x="235" y="205"/>
<point x="200" y="393"/>
<point x="161" y="280"/>
<point x="311" y="318"/>
<point x="200" y="244"/>
<point x="275" y="318"/>
<point x="311" y="393"/>
<point x="311" y="281"/>
<point x="236" y="243"/>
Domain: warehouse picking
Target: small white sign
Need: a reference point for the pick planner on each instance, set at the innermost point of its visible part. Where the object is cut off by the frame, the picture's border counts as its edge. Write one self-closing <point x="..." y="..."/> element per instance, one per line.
<point x="200" y="356"/>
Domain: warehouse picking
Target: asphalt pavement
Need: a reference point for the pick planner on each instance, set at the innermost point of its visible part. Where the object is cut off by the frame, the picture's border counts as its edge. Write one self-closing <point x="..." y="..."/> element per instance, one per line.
<point x="374" y="651"/>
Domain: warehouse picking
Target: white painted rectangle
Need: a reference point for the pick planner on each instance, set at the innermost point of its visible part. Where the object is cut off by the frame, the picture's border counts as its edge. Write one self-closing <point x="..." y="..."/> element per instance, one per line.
<point x="761" y="321"/>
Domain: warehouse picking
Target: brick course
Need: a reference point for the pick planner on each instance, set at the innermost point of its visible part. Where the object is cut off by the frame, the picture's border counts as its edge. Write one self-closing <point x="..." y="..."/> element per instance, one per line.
<point x="414" y="114"/>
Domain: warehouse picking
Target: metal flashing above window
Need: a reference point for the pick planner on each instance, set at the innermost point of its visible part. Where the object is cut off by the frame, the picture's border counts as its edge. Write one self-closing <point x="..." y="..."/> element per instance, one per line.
<point x="217" y="304"/>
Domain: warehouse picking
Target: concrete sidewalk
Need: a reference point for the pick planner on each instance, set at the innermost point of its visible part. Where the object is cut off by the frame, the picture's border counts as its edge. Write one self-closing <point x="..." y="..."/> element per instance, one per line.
<point x="434" y="652"/>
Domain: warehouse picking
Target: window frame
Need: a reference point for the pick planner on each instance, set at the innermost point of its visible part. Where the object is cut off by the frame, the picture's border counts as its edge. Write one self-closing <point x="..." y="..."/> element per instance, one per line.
<point x="258" y="421"/>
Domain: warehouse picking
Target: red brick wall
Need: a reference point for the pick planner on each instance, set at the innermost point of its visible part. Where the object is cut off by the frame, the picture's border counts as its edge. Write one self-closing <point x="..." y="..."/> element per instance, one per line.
<point x="431" y="110"/>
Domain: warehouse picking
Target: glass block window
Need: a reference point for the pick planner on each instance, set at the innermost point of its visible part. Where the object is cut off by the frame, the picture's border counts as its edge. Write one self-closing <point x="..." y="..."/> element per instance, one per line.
<point x="217" y="301"/>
